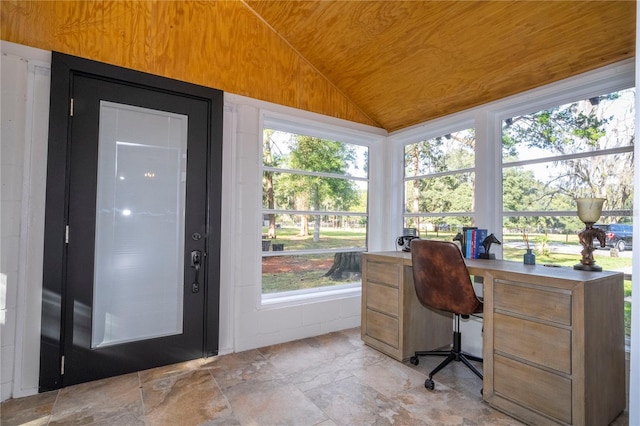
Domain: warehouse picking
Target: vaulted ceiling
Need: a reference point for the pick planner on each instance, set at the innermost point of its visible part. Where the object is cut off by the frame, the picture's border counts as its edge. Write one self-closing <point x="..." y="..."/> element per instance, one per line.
<point x="407" y="62"/>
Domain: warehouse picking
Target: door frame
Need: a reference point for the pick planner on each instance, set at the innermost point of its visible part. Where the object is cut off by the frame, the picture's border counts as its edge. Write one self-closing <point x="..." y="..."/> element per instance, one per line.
<point x="54" y="306"/>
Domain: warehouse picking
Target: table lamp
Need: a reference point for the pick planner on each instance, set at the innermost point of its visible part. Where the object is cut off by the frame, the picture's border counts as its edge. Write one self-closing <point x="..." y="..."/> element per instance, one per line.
<point x="589" y="211"/>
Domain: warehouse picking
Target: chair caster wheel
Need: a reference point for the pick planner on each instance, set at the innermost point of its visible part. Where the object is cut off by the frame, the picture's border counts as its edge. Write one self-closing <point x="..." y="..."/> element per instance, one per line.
<point x="429" y="384"/>
<point x="414" y="360"/>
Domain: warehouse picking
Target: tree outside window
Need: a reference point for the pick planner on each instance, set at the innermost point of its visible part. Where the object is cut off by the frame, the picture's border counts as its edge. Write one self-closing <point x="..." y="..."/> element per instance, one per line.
<point x="439" y="184"/>
<point x="314" y="211"/>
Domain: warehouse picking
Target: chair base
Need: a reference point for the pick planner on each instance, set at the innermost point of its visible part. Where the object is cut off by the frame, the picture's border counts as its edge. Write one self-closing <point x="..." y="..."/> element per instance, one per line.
<point x="455" y="354"/>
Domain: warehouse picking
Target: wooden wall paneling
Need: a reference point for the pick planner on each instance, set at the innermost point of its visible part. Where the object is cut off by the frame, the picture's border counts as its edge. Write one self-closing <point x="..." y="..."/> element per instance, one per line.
<point x="164" y="35"/>
<point x="216" y="44"/>
<point x="321" y="93"/>
<point x="78" y="28"/>
<point x="125" y="34"/>
<point x="225" y="60"/>
<point x="20" y="23"/>
<point x="184" y="40"/>
<point x="273" y="65"/>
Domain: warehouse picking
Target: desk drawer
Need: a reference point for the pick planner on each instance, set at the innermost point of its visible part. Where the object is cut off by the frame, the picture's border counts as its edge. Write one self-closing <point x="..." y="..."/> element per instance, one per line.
<point x="550" y="305"/>
<point x="533" y="388"/>
<point x="542" y="344"/>
<point x="383" y="328"/>
<point x="385" y="273"/>
<point x="382" y="298"/>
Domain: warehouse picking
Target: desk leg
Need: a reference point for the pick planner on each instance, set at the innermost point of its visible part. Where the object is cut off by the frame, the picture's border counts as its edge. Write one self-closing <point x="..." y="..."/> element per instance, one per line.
<point x="487" y="338"/>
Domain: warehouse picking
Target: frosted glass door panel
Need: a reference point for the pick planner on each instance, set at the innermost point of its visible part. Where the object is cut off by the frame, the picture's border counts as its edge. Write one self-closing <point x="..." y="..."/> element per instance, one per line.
<point x="139" y="247"/>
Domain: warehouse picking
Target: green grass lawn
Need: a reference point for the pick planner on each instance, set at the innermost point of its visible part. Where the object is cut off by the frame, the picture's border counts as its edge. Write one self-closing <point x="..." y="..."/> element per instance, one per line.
<point x="329" y="238"/>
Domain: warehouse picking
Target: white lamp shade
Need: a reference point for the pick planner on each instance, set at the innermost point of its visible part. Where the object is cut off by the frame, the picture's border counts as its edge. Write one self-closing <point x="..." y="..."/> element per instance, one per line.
<point x="590" y="209"/>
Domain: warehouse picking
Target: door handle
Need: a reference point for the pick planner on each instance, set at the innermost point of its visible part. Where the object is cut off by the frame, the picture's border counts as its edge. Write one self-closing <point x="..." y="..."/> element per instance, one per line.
<point x="196" y="261"/>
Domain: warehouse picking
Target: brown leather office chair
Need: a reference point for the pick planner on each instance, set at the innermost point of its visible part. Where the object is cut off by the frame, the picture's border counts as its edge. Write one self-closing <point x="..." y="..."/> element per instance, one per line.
<point x="442" y="282"/>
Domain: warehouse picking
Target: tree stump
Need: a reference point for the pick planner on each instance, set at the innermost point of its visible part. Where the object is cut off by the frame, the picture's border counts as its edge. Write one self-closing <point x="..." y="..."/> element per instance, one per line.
<point x="345" y="265"/>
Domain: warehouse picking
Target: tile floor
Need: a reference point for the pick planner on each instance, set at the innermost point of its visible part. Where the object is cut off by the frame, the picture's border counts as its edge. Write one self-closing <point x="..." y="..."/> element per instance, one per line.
<point x="332" y="379"/>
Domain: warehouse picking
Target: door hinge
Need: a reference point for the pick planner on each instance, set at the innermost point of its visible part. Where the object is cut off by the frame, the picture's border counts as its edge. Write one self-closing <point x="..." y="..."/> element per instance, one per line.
<point x="62" y="366"/>
<point x="66" y="234"/>
<point x="71" y="109"/>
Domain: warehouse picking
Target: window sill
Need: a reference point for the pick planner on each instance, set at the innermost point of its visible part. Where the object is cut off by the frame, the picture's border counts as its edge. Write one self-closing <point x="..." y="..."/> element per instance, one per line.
<point x="300" y="297"/>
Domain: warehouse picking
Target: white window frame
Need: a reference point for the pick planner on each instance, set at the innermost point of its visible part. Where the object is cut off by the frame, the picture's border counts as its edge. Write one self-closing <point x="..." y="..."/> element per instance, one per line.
<point x="600" y="82"/>
<point x="399" y="140"/>
<point x="457" y="126"/>
<point x="296" y="125"/>
<point x="487" y="121"/>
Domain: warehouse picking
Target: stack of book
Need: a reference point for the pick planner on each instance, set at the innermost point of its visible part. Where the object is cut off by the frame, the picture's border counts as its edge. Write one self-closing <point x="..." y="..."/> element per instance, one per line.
<point x="472" y="239"/>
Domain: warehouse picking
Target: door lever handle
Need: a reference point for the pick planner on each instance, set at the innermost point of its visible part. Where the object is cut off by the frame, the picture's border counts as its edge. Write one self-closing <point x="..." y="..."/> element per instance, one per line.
<point x="196" y="261"/>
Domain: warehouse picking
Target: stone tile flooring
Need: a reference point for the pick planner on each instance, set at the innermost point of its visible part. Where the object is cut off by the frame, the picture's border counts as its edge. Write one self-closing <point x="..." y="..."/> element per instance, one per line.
<point x="332" y="379"/>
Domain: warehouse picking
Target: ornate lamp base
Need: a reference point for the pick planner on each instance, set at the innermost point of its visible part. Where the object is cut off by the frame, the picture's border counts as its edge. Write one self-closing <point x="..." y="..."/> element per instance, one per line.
<point x="582" y="267"/>
<point x="586" y="238"/>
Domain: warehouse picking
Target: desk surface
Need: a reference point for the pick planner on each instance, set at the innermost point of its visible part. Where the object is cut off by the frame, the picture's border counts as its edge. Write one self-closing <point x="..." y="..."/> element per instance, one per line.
<point x="481" y="267"/>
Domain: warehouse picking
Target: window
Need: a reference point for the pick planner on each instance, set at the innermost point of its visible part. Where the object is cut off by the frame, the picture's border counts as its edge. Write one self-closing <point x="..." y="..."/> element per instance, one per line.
<point x="314" y="209"/>
<point x="439" y="179"/>
<point x="549" y="158"/>
<point x="534" y="153"/>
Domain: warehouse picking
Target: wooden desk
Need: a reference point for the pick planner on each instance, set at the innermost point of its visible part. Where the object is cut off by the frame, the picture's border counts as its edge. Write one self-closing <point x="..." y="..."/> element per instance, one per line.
<point x="553" y="337"/>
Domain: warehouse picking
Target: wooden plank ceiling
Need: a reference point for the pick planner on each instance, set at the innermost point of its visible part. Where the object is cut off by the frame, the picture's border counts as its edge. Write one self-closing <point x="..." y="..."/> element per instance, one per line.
<point x="407" y="62"/>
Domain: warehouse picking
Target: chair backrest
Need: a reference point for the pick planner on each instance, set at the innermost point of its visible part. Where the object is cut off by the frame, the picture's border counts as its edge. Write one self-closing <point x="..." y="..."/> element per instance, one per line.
<point x="441" y="277"/>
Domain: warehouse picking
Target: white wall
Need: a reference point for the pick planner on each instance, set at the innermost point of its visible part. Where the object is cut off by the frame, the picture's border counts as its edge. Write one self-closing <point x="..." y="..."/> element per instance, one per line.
<point x="25" y="113"/>
<point x="12" y="155"/>
<point x="256" y="325"/>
